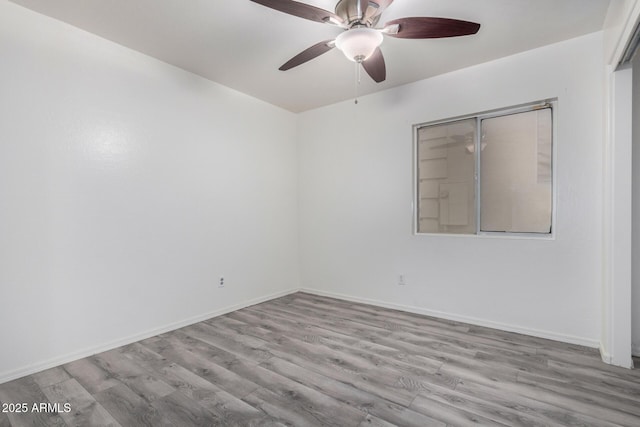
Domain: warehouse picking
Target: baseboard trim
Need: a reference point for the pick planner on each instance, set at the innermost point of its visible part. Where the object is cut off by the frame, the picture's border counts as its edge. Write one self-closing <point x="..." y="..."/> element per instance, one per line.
<point x="606" y="357"/>
<point x="635" y="350"/>
<point x="461" y="318"/>
<point x="57" y="361"/>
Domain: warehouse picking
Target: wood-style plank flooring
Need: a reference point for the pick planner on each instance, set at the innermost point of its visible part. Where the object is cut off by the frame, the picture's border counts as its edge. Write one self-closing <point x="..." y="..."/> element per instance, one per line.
<point x="305" y="360"/>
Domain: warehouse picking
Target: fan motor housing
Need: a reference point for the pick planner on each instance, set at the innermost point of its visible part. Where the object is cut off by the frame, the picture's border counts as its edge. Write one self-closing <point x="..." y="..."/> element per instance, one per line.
<point x="348" y="10"/>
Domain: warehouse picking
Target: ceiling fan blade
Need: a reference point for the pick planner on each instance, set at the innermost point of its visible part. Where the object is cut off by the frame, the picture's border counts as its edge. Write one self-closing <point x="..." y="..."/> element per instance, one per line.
<point x="308" y="54"/>
<point x="302" y="10"/>
<point x="430" y="28"/>
<point x="375" y="67"/>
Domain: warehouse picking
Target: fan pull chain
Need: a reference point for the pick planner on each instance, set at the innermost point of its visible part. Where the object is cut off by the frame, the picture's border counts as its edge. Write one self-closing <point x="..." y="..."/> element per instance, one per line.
<point x="358" y="80"/>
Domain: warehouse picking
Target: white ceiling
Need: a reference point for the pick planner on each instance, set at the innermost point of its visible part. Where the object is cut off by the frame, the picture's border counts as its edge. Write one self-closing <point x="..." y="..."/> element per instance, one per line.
<point x="241" y="44"/>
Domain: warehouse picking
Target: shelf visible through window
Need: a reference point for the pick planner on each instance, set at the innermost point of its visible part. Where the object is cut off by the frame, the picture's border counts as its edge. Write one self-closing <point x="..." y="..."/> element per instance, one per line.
<point x="486" y="173"/>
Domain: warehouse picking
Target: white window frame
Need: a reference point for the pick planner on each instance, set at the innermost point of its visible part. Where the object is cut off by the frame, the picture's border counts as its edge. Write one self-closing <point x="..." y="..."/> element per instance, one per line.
<point x="549" y="103"/>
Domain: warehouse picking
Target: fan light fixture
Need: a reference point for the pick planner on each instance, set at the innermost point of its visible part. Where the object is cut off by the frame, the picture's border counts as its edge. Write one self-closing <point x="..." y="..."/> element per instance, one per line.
<point x="362" y="36"/>
<point x="358" y="44"/>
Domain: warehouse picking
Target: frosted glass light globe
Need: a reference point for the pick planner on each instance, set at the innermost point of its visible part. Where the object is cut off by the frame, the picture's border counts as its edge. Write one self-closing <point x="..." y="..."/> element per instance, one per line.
<point x="358" y="44"/>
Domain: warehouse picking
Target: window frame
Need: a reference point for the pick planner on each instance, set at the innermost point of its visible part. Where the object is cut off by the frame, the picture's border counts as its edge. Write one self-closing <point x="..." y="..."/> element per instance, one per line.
<point x="551" y="103"/>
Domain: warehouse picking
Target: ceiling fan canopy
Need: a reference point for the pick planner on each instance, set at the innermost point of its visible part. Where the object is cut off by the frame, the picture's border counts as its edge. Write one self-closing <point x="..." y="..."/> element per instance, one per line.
<point x="361" y="39"/>
<point x="367" y="14"/>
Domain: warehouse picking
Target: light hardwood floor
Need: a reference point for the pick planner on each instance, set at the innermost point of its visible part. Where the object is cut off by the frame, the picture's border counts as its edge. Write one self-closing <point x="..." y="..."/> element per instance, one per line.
<point x="306" y="360"/>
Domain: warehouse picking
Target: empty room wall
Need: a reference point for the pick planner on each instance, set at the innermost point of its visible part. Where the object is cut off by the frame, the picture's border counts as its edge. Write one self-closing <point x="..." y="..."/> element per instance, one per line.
<point x="356" y="183"/>
<point x="127" y="188"/>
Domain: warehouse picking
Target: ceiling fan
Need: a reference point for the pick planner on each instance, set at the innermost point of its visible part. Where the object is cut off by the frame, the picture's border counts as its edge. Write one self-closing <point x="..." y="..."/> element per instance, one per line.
<point x="360" y="42"/>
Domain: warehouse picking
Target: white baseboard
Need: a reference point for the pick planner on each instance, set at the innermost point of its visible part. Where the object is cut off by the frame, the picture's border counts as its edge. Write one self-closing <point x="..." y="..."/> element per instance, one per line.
<point x="611" y="360"/>
<point x="57" y="361"/>
<point x="461" y="318"/>
<point x="41" y="366"/>
<point x="606" y="357"/>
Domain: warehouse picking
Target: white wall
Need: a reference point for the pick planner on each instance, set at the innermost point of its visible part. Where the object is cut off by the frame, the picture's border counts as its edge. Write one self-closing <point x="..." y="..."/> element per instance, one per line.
<point x="356" y="195"/>
<point x="635" y="273"/>
<point x="127" y="187"/>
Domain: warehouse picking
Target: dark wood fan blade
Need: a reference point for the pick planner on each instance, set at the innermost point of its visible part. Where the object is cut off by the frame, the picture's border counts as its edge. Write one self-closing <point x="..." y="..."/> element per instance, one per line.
<point x="301" y="10"/>
<point x="308" y="54"/>
<point x="431" y="28"/>
<point x="375" y="67"/>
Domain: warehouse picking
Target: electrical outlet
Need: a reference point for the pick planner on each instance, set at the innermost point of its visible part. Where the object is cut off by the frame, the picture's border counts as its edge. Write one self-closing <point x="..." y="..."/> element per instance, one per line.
<point x="221" y="284"/>
<point x="401" y="281"/>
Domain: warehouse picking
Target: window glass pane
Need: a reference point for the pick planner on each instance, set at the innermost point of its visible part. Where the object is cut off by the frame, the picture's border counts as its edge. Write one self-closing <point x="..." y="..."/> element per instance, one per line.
<point x="515" y="173"/>
<point x="446" y="184"/>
